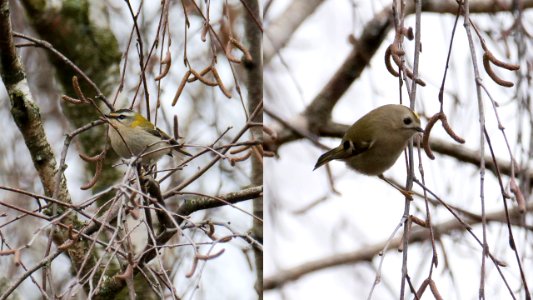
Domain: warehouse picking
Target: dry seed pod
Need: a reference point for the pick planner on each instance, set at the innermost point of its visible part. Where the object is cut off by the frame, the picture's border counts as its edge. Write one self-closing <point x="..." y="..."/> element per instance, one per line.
<point x="166" y="62"/>
<point x="238" y="45"/>
<point x="193" y="267"/>
<point x="425" y="139"/>
<point x="434" y="290"/>
<point x="388" y="65"/>
<point x="7" y="252"/>
<point x="501" y="64"/>
<point x="200" y="76"/>
<point x="520" y="201"/>
<point x="181" y="87"/>
<point x="449" y="130"/>
<point x="97" y="173"/>
<point x="71" y="100"/>
<point x="77" y="89"/>
<point x="422" y="288"/>
<point x="220" y="83"/>
<point x="87" y="158"/>
<point x="488" y="69"/>
<point x="444" y="121"/>
<point x="398" y="62"/>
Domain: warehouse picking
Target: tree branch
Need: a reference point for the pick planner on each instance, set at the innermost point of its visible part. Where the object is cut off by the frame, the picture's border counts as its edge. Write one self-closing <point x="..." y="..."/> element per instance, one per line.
<point x="201" y="203"/>
<point x="27" y="117"/>
<point x="375" y="31"/>
<point x="437" y="145"/>
<point x="318" y="112"/>
<point x="281" y="29"/>
<point x="368" y="252"/>
<point x="115" y="285"/>
<point x="254" y="85"/>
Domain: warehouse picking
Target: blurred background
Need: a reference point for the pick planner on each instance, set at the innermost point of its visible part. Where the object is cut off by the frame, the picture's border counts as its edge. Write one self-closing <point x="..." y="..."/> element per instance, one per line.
<point x="324" y="69"/>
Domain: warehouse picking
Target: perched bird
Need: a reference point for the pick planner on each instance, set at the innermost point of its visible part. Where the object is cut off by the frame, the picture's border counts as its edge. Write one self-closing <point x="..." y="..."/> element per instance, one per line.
<point x="131" y="134"/>
<point x="374" y="143"/>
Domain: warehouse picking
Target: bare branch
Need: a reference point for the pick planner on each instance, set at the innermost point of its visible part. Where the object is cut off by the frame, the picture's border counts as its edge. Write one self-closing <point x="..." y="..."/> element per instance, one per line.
<point x="368" y="252"/>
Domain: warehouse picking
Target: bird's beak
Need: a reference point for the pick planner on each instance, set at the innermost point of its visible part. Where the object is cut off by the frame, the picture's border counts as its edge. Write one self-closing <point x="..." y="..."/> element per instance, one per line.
<point x="419" y="129"/>
<point x="110" y="115"/>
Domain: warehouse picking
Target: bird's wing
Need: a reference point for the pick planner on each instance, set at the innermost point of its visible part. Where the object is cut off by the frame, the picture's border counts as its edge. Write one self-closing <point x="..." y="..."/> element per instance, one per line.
<point x="160" y="133"/>
<point x="357" y="147"/>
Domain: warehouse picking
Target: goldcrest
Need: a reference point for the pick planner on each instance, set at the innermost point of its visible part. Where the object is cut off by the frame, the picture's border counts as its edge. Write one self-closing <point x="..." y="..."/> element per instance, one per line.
<point x="131" y="134"/>
<point x="374" y="143"/>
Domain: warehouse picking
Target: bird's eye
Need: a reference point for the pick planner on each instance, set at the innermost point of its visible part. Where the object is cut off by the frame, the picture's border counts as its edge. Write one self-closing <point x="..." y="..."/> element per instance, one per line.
<point x="121" y="117"/>
<point x="407" y="121"/>
<point x="346" y="145"/>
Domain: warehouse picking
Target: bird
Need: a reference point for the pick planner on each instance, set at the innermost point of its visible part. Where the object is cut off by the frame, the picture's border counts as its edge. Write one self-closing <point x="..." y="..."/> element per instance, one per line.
<point x="131" y="134"/>
<point x="375" y="141"/>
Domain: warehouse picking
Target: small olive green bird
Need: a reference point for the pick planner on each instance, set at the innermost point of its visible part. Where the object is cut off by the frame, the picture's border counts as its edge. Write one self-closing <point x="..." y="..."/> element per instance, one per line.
<point x="373" y="143"/>
<point x="131" y="134"/>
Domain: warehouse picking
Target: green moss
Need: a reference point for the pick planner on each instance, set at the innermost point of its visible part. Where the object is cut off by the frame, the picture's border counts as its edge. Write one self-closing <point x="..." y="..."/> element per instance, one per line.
<point x="35" y="6"/>
<point x="75" y="9"/>
<point x="95" y="51"/>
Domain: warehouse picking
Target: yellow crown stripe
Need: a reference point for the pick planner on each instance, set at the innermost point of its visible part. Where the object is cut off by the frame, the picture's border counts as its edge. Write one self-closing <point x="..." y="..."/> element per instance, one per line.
<point x="140" y="121"/>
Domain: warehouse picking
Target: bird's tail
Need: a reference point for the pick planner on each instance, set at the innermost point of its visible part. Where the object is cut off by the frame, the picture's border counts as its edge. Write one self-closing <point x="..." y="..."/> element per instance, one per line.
<point x="335" y="153"/>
